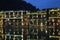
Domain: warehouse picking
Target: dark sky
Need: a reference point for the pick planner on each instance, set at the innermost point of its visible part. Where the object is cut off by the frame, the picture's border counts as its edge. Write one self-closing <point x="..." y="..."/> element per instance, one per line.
<point x="41" y="4"/>
<point x="16" y="5"/>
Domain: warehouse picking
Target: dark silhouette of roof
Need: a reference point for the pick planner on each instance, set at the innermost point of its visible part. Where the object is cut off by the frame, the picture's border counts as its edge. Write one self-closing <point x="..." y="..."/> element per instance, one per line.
<point x="16" y="5"/>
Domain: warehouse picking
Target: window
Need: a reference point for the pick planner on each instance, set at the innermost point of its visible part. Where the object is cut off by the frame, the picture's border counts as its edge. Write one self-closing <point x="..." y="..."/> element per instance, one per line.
<point x="19" y="14"/>
<point x="7" y="15"/>
<point x="30" y="16"/>
<point x="39" y="16"/>
<point x="35" y="16"/>
<point x="15" y="14"/>
<point x="11" y="14"/>
<point x="24" y="13"/>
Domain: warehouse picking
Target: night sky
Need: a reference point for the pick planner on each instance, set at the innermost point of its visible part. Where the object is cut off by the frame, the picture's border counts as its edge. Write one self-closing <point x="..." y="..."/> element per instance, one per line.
<point x="16" y="5"/>
<point x="41" y="4"/>
<point x="28" y="4"/>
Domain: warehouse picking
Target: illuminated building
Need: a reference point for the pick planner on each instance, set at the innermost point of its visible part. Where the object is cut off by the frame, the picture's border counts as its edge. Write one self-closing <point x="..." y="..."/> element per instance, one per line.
<point x="17" y="22"/>
<point x="53" y="22"/>
<point x="17" y="25"/>
<point x="37" y="22"/>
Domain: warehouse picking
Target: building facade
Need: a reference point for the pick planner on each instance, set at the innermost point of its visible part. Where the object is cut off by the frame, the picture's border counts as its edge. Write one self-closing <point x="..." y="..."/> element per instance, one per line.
<point x="25" y="25"/>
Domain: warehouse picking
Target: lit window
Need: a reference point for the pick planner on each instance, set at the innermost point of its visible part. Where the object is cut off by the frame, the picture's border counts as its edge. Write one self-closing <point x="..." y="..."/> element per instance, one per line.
<point x="58" y="20"/>
<point x="41" y="16"/>
<point x="14" y="17"/>
<point x="52" y="20"/>
<point x="57" y="24"/>
<point x="14" y="32"/>
<point x="13" y="20"/>
<point x="53" y="33"/>
<point x="58" y="33"/>
<point x="46" y="31"/>
<point x="44" y="16"/>
<point x="22" y="23"/>
<point x="41" y="24"/>
<point x="52" y="12"/>
<point x="53" y="24"/>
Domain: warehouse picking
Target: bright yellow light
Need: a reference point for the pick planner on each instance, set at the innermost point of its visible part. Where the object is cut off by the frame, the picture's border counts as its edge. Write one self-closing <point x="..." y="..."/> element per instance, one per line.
<point x="54" y="36"/>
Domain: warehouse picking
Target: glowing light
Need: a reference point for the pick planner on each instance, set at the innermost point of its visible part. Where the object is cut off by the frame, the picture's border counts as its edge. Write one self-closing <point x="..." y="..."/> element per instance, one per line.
<point x="59" y="33"/>
<point x="53" y="23"/>
<point x="57" y="24"/>
<point x="58" y="20"/>
<point x="44" y="15"/>
<point x="22" y="24"/>
<point x="53" y="33"/>
<point x="52" y="20"/>
<point x="41" y="24"/>
<point x="41" y="16"/>
<point x="14" y="17"/>
<point x="46" y="31"/>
